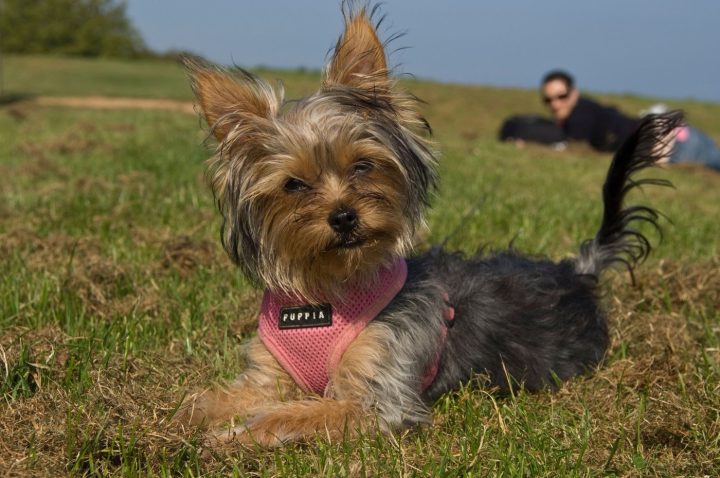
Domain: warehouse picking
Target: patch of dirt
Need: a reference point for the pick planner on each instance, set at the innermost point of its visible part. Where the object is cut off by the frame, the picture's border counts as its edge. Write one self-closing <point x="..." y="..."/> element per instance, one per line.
<point x="104" y="102"/>
<point x="17" y="113"/>
<point x="184" y="254"/>
<point x="98" y="282"/>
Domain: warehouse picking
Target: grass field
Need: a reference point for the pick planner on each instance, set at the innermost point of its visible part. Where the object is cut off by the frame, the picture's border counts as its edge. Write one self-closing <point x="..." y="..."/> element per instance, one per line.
<point x="116" y="298"/>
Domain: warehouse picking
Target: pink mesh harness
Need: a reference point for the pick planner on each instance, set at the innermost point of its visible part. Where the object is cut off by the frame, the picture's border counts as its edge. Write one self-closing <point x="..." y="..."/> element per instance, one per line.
<point x="309" y="354"/>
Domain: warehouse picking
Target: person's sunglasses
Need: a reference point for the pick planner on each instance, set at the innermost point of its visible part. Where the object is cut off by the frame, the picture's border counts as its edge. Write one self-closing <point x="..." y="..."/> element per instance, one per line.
<point x="549" y="99"/>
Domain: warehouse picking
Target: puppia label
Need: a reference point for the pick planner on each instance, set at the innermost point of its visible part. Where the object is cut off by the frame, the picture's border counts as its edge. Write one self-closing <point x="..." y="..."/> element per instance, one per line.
<point x="305" y="316"/>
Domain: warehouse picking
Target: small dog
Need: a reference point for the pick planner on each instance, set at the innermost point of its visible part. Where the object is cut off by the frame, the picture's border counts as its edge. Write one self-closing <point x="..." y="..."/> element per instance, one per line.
<point x="321" y="198"/>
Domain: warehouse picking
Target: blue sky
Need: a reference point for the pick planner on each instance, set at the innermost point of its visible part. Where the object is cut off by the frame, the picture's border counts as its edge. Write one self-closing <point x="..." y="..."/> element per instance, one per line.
<point x="657" y="48"/>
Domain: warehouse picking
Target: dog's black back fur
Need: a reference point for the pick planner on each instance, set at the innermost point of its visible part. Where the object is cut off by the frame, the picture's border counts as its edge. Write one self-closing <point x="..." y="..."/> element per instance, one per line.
<point x="518" y="320"/>
<point x="535" y="322"/>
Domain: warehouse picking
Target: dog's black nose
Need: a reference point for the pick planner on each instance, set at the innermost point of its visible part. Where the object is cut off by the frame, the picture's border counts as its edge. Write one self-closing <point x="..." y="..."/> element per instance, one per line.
<point x="343" y="220"/>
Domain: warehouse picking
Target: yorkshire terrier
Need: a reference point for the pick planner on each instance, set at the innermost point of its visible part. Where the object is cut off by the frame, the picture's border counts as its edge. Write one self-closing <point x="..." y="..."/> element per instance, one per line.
<point x="321" y="198"/>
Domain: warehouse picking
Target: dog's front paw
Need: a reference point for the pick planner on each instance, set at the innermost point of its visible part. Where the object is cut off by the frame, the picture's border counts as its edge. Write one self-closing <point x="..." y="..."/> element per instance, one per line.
<point x="244" y="435"/>
<point x="196" y="410"/>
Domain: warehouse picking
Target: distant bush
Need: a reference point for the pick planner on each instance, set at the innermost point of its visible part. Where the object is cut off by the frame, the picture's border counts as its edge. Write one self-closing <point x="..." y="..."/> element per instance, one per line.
<point x="71" y="27"/>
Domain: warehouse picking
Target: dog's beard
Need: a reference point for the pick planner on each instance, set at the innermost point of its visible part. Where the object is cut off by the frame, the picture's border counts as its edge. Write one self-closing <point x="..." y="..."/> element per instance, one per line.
<point x="322" y="269"/>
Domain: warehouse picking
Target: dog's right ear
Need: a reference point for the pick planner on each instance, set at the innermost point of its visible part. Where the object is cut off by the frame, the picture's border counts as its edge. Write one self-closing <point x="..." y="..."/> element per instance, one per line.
<point x="227" y="99"/>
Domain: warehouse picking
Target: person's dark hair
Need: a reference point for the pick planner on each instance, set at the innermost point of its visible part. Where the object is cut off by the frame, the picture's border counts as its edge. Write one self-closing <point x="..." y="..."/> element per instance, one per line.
<point x="561" y="75"/>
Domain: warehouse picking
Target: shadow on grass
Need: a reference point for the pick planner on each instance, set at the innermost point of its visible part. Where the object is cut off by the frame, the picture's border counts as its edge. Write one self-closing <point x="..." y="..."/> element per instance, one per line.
<point x="11" y="97"/>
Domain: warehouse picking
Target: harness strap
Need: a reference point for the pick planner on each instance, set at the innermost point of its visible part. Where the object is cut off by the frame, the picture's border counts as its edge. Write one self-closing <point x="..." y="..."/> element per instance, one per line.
<point x="449" y="318"/>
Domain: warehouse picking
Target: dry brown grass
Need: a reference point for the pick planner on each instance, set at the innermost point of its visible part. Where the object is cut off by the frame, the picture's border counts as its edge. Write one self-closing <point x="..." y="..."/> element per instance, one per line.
<point x="137" y="395"/>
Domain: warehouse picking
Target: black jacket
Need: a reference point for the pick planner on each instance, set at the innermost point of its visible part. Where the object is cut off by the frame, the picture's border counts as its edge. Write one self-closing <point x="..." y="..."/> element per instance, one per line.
<point x="604" y="127"/>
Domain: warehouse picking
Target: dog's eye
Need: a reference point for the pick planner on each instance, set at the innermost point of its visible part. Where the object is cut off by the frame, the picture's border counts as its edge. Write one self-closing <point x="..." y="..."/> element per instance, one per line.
<point x="294" y="185"/>
<point x="362" y="166"/>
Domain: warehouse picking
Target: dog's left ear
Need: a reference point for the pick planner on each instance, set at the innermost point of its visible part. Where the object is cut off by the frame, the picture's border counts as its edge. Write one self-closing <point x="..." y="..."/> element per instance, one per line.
<point x="359" y="60"/>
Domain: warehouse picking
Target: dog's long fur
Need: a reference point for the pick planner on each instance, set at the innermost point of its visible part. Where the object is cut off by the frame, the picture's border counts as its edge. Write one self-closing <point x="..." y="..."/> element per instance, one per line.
<point x="281" y="173"/>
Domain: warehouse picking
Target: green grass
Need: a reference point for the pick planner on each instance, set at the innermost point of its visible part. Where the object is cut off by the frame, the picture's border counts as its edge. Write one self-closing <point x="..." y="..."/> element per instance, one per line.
<point x="116" y="299"/>
<point x="59" y="76"/>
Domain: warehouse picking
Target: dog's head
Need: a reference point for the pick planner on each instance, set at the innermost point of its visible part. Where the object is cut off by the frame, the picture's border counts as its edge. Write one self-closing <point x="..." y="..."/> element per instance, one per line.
<point x="320" y="192"/>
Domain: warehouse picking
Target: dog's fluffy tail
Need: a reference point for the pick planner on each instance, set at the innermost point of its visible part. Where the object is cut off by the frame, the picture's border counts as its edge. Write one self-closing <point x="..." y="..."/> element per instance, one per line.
<point x="619" y="240"/>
